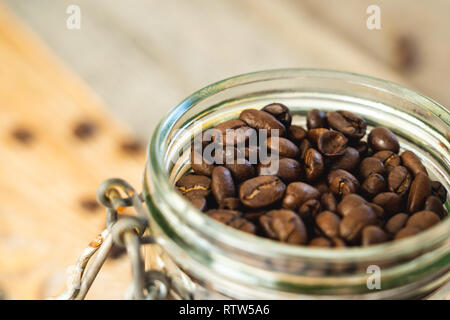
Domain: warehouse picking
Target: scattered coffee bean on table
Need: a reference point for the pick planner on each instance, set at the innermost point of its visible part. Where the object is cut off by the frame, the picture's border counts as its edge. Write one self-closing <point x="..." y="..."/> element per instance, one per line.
<point x="323" y="186"/>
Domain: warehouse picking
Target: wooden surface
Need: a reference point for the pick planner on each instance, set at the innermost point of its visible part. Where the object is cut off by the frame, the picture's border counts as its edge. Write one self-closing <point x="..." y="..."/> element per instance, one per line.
<point x="142" y="58"/>
<point x="47" y="171"/>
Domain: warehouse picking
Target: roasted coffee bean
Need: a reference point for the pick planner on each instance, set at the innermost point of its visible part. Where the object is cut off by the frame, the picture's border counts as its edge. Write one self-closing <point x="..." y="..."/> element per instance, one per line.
<point x="253" y="216"/>
<point x="241" y="171"/>
<point x="347" y="123"/>
<point x="434" y="204"/>
<point x="261" y="191"/>
<point x="320" y="242"/>
<point x="262" y="120"/>
<point x="406" y="232"/>
<point x="232" y="219"/>
<point x="288" y="170"/>
<point x="348" y="161"/>
<point x="321" y="185"/>
<point x="342" y="182"/>
<point x="379" y="211"/>
<point x="328" y="223"/>
<point x="282" y="146"/>
<point x="349" y="202"/>
<point x="371" y="235"/>
<point x="399" y="180"/>
<point x="298" y="193"/>
<point x="314" y="165"/>
<point x="233" y="132"/>
<point x="195" y="184"/>
<point x="309" y="209"/>
<point x="314" y="134"/>
<point x="361" y="146"/>
<point x="390" y="159"/>
<point x="419" y="191"/>
<point x="381" y="138"/>
<point x="373" y="185"/>
<point x="285" y="226"/>
<point x="222" y="184"/>
<point x="439" y="191"/>
<point x="231" y="203"/>
<point x="316" y="119"/>
<point x="328" y="201"/>
<point x="197" y="201"/>
<point x="423" y="220"/>
<point x="338" y="243"/>
<point x="355" y="220"/>
<point x="413" y="163"/>
<point x="305" y="145"/>
<point x="280" y="112"/>
<point x="396" y="223"/>
<point x="201" y="165"/>
<point x="296" y="133"/>
<point x="370" y="165"/>
<point x="391" y="202"/>
<point x="331" y="143"/>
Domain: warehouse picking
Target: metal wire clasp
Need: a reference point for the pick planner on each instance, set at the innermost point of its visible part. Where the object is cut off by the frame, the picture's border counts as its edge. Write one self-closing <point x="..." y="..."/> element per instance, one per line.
<point x="115" y="195"/>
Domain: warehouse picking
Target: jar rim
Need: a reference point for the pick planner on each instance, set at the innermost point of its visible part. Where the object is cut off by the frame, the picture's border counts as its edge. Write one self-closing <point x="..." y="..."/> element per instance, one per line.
<point x="252" y="244"/>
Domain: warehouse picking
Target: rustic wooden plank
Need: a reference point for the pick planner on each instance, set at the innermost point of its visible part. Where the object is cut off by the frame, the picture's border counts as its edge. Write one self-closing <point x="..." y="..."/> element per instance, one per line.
<point x="46" y="171"/>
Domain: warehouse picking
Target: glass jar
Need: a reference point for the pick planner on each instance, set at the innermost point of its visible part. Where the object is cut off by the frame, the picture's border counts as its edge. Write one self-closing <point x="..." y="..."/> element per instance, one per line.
<point x="210" y="260"/>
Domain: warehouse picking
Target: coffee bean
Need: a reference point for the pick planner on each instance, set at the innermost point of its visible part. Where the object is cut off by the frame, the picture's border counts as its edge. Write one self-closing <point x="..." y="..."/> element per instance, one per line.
<point x="396" y="222"/>
<point x="348" y="161"/>
<point x="419" y="191"/>
<point x="370" y="165"/>
<point x="347" y="123"/>
<point x="233" y="132"/>
<point x="285" y="226"/>
<point x="434" y="204"/>
<point x="261" y="191"/>
<point x="328" y="201"/>
<point x="195" y="184"/>
<point x="399" y="180"/>
<point x="413" y="163"/>
<point x="296" y="133"/>
<point x="309" y="209"/>
<point x="390" y="159"/>
<point x="288" y="170"/>
<point x="253" y="216"/>
<point x="314" y="166"/>
<point x="231" y="203"/>
<point x="298" y="193"/>
<point x="439" y="191"/>
<point x="316" y="119"/>
<point x="222" y="184"/>
<point x="373" y="185"/>
<point x="406" y="232"/>
<point x="391" y="202"/>
<point x="342" y="182"/>
<point x="197" y="201"/>
<point x="233" y="219"/>
<point x="199" y="164"/>
<point x="304" y="146"/>
<point x="371" y="235"/>
<point x="423" y="220"/>
<point x="381" y="138"/>
<point x="280" y="112"/>
<point x="379" y="211"/>
<point x="241" y="171"/>
<point x="349" y="202"/>
<point x="329" y="142"/>
<point x="355" y="220"/>
<point x="361" y="146"/>
<point x="262" y="120"/>
<point x="282" y="146"/>
<point x="320" y="242"/>
<point x="338" y="243"/>
<point x="328" y="223"/>
<point x="321" y="185"/>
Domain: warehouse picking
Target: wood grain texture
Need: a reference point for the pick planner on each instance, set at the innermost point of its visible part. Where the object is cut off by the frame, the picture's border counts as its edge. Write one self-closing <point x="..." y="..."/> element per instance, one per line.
<point x="47" y="172"/>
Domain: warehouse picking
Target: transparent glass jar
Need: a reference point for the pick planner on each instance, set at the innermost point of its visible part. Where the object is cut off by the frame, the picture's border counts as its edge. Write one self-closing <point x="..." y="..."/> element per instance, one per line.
<point x="210" y="260"/>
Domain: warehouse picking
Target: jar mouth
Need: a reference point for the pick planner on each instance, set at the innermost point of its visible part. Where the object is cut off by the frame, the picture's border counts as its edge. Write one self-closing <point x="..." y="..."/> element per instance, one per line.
<point x="163" y="186"/>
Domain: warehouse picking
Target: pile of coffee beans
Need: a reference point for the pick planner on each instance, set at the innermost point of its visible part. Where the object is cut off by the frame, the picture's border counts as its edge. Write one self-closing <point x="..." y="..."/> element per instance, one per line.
<point x="332" y="187"/>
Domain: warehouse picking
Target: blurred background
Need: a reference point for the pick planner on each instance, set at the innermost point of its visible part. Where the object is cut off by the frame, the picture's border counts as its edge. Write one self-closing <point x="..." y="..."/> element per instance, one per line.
<point x="78" y="105"/>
